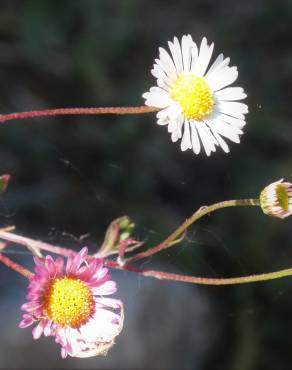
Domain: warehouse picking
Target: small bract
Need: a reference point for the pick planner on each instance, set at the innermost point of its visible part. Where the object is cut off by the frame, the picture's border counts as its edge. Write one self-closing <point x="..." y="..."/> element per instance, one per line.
<point x="195" y="102"/>
<point x="67" y="302"/>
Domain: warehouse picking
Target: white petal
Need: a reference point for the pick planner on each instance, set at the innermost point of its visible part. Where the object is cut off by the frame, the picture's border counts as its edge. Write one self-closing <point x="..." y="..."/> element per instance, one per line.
<point x="233" y="109"/>
<point x="208" y="140"/>
<point x="221" y="142"/>
<point x="231" y="93"/>
<point x="232" y="133"/>
<point x="228" y="126"/>
<point x="161" y="70"/>
<point x="172" y="126"/>
<point x="217" y="63"/>
<point x="204" y="57"/>
<point x="177" y="132"/>
<point x="186" y="139"/>
<point x="186" y="47"/>
<point x="109" y="287"/>
<point x="194" y="53"/>
<point x="163" y="84"/>
<point x="174" y="118"/>
<point x="219" y="139"/>
<point x="232" y="120"/>
<point x="174" y="137"/>
<point x="162" y="120"/>
<point x="222" y="77"/>
<point x="164" y="113"/>
<point x="158" y="73"/>
<point x="195" y="138"/>
<point x="167" y="61"/>
<point x="176" y="55"/>
<point x="157" y="99"/>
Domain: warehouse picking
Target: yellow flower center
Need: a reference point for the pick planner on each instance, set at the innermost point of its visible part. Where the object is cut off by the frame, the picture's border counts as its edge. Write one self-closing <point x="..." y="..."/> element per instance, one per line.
<point x="283" y="198"/>
<point x="68" y="302"/>
<point x="194" y="96"/>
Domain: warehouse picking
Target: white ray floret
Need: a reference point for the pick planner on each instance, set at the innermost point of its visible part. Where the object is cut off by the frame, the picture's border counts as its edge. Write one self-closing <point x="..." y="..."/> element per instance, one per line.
<point x="196" y="103"/>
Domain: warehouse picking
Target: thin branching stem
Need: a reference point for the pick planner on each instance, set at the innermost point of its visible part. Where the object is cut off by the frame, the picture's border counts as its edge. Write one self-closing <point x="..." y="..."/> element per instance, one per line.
<point x="196" y="216"/>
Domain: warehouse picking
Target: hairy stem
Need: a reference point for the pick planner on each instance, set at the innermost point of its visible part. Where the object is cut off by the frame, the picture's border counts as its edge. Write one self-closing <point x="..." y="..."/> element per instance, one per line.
<point x="35" y="246"/>
<point x="203" y="280"/>
<point x="196" y="216"/>
<point x="15" y="266"/>
<point x="77" y="111"/>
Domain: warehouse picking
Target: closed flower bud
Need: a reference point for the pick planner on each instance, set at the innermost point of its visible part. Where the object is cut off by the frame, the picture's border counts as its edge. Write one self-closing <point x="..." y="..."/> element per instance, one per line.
<point x="276" y="199"/>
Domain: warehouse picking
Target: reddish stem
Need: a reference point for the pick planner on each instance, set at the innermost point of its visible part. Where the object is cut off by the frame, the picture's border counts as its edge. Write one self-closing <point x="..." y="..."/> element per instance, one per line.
<point x="34" y="245"/>
<point x="77" y="111"/>
<point x="15" y="266"/>
<point x="203" y="280"/>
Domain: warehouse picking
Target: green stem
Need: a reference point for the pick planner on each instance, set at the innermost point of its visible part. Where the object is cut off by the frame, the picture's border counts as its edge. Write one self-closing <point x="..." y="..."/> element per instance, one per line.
<point x="196" y="216"/>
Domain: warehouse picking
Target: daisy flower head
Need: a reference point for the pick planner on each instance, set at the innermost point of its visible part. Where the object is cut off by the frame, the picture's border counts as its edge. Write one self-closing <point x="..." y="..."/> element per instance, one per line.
<point x="276" y="199"/>
<point x="66" y="301"/>
<point x="194" y="101"/>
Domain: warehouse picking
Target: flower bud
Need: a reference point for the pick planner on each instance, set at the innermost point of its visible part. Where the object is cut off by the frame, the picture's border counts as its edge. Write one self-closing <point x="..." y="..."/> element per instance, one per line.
<point x="276" y="199"/>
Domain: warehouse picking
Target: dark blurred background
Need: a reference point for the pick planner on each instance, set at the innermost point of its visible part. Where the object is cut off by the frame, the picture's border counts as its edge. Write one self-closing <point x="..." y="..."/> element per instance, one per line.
<point x="72" y="176"/>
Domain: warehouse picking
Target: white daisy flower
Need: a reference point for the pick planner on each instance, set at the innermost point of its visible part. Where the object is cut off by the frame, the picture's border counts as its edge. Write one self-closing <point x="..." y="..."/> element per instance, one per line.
<point x="194" y="101"/>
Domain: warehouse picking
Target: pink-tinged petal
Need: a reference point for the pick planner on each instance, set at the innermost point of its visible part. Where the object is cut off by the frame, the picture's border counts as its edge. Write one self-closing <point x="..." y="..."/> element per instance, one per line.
<point x="97" y="282"/>
<point x="30" y="306"/>
<point x="33" y="296"/>
<point x="79" y="258"/>
<point x="38" y="260"/>
<point x="85" y="272"/>
<point x="69" y="264"/>
<point x="97" y="336"/>
<point x="64" y="353"/>
<point x="101" y="273"/>
<point x="38" y="330"/>
<point x="50" y="266"/>
<point x="99" y="277"/>
<point x="109" y="302"/>
<point x="109" y="287"/>
<point x="48" y="329"/>
<point x="59" y="263"/>
<point x="41" y="271"/>
<point x="26" y="321"/>
<point x="74" y="261"/>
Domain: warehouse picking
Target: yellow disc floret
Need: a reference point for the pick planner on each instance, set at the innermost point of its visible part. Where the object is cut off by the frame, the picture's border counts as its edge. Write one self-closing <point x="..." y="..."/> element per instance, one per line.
<point x="194" y="96"/>
<point x="68" y="302"/>
<point x="283" y="198"/>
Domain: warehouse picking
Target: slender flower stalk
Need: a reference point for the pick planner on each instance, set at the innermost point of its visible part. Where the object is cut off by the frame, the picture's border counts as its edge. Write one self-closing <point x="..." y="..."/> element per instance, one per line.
<point x="195" y="217"/>
<point x="77" y="111"/>
<point x="203" y="280"/>
<point x="35" y="246"/>
<point x="165" y="275"/>
<point x="15" y="266"/>
<point x="220" y="281"/>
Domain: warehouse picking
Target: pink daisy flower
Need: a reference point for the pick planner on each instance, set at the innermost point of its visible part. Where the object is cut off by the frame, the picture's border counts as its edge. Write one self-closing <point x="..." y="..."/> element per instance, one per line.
<point x="67" y="302"/>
